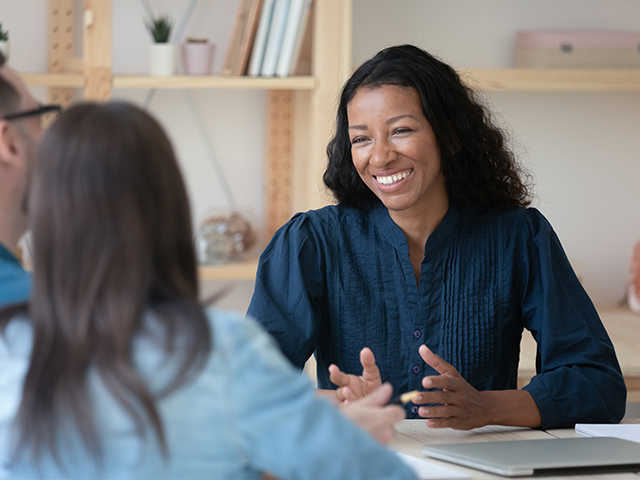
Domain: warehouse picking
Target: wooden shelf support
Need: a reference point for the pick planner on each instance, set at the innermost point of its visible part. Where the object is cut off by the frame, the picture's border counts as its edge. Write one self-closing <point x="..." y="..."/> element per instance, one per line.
<point x="278" y="159"/>
<point x="60" y="49"/>
<point x="97" y="49"/>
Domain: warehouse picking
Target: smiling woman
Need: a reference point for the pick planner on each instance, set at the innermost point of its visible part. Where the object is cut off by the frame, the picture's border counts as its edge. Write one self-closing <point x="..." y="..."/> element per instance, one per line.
<point x="433" y="262"/>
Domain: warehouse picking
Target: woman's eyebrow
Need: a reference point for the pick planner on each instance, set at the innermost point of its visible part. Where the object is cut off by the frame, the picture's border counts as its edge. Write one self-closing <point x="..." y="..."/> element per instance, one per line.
<point x="395" y="119"/>
<point x="389" y="121"/>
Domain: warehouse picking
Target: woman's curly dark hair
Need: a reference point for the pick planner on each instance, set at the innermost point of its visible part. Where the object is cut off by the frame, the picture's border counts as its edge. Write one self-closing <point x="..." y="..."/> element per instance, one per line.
<point x="478" y="167"/>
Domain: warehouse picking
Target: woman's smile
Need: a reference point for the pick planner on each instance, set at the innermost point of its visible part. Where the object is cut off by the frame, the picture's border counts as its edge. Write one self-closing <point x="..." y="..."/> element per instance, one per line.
<point x="392" y="179"/>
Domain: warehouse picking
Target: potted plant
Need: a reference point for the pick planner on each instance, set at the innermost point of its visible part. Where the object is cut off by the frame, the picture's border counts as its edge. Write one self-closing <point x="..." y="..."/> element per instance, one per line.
<point x="197" y="56"/>
<point x="162" y="54"/>
<point x="4" y="42"/>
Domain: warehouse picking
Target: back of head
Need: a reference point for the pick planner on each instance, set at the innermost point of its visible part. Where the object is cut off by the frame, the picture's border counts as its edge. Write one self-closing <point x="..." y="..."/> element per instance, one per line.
<point x="477" y="166"/>
<point x="111" y="240"/>
<point x="107" y="189"/>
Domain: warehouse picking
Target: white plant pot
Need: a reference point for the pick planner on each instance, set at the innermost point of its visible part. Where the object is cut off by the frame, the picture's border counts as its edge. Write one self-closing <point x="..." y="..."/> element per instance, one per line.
<point x="163" y="59"/>
<point x="4" y="48"/>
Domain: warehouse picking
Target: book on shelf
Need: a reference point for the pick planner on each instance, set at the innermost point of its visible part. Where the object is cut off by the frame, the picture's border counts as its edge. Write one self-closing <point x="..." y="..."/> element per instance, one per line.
<point x="301" y="64"/>
<point x="260" y="40"/>
<point x="274" y="40"/>
<point x="242" y="38"/>
<point x="293" y="37"/>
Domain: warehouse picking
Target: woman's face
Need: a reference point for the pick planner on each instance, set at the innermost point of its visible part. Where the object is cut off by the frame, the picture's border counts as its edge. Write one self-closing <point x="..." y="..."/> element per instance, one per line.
<point x="395" y="150"/>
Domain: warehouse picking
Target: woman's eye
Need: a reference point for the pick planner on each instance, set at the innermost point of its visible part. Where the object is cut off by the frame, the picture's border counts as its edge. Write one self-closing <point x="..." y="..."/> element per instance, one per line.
<point x="357" y="140"/>
<point x="402" y="130"/>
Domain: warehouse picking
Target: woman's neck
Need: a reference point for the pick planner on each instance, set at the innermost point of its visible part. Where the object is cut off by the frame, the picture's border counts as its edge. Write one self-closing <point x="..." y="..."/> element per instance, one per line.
<point x="418" y="227"/>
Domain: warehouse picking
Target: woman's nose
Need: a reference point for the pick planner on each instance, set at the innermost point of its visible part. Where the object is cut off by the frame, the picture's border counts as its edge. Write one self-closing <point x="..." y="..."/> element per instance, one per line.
<point x="383" y="152"/>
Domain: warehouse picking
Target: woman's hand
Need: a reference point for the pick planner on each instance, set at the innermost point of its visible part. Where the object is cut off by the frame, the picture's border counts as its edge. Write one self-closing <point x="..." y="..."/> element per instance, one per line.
<point x="372" y="414"/>
<point x="352" y="387"/>
<point x="463" y="407"/>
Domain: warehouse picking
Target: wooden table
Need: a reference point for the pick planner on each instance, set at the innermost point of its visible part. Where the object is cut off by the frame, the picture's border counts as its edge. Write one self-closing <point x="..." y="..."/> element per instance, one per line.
<point x="413" y="434"/>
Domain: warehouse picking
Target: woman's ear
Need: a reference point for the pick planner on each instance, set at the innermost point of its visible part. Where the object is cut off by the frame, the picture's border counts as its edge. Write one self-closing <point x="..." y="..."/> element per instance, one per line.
<point x="9" y="142"/>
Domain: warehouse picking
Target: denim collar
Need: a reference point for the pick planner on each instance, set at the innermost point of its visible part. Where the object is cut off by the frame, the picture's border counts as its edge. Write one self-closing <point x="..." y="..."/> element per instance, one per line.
<point x="7" y="256"/>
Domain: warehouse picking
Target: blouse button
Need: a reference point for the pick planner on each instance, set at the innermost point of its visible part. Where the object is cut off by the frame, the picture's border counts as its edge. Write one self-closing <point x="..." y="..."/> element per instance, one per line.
<point x="414" y="409"/>
<point x="416" y="369"/>
<point x="417" y="334"/>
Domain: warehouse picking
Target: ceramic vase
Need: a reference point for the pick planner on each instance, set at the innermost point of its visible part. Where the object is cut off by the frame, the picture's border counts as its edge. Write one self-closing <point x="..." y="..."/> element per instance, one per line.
<point x="197" y="58"/>
<point x="163" y="59"/>
<point x="4" y="48"/>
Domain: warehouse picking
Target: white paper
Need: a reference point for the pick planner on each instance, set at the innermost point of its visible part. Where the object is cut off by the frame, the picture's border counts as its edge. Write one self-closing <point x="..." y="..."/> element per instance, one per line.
<point x="425" y="470"/>
<point x="625" y="432"/>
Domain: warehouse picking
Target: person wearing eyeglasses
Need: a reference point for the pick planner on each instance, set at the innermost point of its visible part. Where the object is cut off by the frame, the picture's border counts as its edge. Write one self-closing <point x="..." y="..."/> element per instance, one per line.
<point x="20" y="131"/>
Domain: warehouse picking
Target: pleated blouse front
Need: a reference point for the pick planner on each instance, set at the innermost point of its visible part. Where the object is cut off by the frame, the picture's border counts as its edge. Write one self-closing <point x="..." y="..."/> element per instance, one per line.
<point x="335" y="280"/>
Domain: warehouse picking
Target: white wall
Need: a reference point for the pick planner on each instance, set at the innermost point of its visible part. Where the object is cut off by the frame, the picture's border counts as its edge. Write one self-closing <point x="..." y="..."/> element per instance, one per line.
<point x="583" y="148"/>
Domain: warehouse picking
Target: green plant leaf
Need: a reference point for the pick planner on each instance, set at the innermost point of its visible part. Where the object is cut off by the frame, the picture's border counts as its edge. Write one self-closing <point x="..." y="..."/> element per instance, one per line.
<point x="4" y="34"/>
<point x="160" y="28"/>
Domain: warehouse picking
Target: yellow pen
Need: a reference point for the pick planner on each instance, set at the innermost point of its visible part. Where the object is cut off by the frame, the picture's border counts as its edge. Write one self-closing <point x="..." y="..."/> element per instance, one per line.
<point x="404" y="398"/>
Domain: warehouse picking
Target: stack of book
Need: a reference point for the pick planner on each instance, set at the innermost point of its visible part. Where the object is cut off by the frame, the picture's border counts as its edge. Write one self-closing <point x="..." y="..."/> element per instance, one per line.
<point x="271" y="38"/>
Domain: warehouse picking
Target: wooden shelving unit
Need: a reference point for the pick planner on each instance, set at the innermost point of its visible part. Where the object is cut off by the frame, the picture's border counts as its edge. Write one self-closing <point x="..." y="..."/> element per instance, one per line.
<point x="299" y="113"/>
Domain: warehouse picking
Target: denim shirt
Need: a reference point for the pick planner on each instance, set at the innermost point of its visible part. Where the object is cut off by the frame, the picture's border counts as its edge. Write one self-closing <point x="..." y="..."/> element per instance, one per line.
<point x="248" y="411"/>
<point x="15" y="283"/>
<point x="335" y="280"/>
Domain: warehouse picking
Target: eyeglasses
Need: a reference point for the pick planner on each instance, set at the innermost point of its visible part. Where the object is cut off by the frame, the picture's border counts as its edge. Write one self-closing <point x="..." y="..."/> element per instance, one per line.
<point x="47" y="112"/>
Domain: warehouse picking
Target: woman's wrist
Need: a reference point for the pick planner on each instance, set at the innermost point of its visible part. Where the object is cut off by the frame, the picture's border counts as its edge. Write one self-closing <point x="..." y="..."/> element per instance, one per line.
<point x="512" y="407"/>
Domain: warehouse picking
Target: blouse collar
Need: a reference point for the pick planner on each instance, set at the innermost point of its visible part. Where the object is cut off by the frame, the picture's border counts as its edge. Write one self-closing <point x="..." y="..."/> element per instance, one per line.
<point x="391" y="231"/>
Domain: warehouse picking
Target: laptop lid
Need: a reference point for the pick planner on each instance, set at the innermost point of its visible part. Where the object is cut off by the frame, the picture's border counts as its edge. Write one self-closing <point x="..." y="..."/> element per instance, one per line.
<point x="528" y="457"/>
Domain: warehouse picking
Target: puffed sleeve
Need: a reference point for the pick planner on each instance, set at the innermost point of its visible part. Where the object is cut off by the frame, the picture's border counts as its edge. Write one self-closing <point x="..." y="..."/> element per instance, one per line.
<point x="578" y="376"/>
<point x="289" y="287"/>
<point x="283" y="428"/>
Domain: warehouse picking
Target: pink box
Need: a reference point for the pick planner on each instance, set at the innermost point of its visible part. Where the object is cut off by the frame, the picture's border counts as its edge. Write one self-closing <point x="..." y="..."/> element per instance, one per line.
<point x="577" y="49"/>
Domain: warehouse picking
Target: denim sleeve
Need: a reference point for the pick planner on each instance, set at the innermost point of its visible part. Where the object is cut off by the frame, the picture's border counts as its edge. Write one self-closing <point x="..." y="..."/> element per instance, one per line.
<point x="284" y="429"/>
<point x="578" y="376"/>
<point x="288" y="290"/>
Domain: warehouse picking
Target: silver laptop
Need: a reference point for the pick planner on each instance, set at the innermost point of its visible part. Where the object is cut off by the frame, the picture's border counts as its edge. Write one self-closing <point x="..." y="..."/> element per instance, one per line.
<point x="547" y="456"/>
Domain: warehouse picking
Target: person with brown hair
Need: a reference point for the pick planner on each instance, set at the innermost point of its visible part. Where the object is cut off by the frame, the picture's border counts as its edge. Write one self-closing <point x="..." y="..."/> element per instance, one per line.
<point x="113" y="369"/>
<point x="431" y="264"/>
<point x="20" y="131"/>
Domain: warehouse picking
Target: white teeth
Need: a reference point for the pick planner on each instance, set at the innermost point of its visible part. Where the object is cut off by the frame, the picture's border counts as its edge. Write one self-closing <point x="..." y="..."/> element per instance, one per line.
<point x="391" y="179"/>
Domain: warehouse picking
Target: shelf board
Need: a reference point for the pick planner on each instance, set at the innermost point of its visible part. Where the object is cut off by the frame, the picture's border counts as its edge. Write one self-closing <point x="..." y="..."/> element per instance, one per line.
<point x="64" y="80"/>
<point x="231" y="271"/>
<point x="553" y="80"/>
<point x="214" y="81"/>
<point x="506" y="79"/>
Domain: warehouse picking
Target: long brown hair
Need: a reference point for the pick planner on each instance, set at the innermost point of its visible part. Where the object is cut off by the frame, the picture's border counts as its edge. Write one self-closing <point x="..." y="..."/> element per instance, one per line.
<point x="112" y="240"/>
<point x="478" y="166"/>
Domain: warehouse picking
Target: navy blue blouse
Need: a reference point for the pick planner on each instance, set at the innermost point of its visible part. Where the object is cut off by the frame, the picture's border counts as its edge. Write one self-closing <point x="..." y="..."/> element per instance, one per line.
<point x="335" y="280"/>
